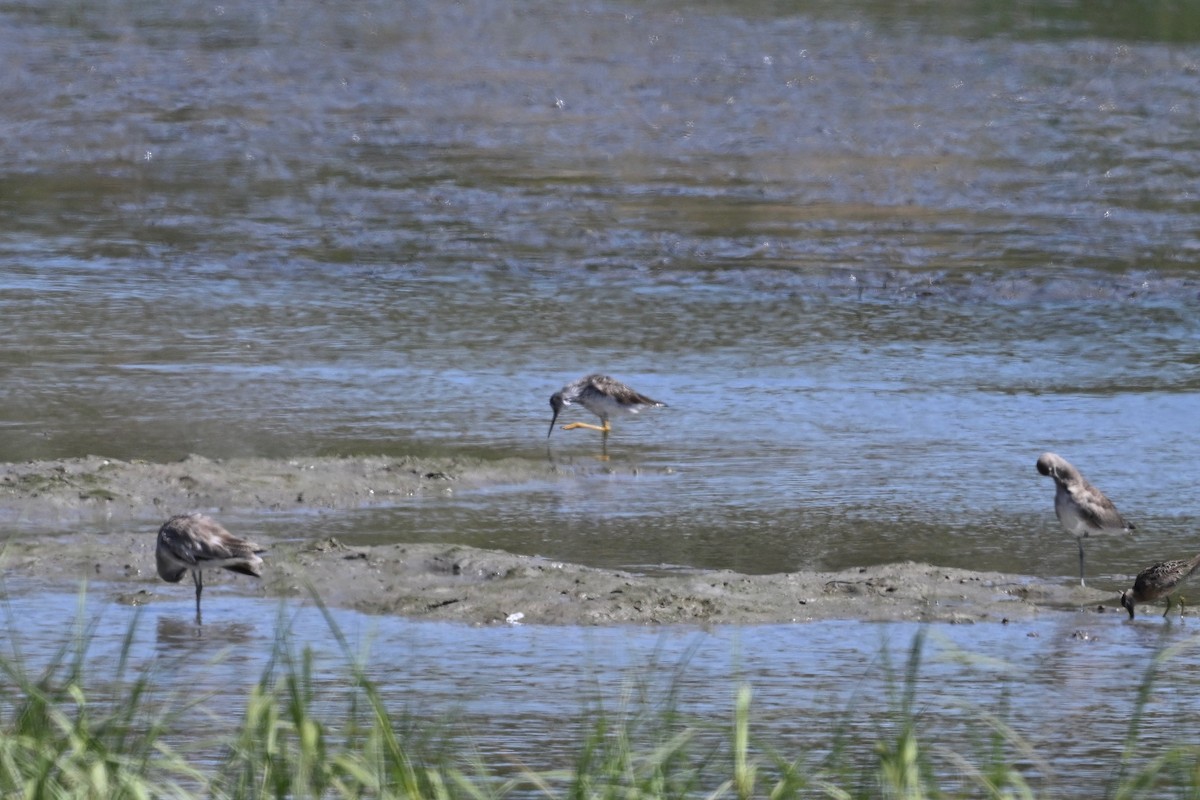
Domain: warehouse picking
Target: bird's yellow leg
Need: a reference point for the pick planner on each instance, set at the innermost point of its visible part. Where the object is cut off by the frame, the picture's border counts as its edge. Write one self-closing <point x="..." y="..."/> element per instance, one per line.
<point x="1168" y="611"/>
<point x="603" y="454"/>
<point x="572" y="426"/>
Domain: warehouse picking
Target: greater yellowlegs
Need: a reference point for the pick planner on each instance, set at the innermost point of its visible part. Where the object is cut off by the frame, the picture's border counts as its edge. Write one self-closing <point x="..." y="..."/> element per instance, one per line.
<point x="1157" y="581"/>
<point x="197" y="542"/>
<point x="601" y="395"/>
<point x="1082" y="509"/>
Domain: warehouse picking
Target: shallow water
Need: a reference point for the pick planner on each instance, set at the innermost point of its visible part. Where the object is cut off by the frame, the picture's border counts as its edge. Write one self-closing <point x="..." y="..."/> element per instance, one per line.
<point x="528" y="695"/>
<point x="875" y="258"/>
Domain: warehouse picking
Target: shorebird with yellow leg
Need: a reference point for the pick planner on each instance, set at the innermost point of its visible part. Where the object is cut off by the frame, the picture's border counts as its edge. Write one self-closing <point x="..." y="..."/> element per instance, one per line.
<point x="196" y="542"/>
<point x="601" y="395"/>
<point x="1082" y="509"/>
<point x="1157" y="581"/>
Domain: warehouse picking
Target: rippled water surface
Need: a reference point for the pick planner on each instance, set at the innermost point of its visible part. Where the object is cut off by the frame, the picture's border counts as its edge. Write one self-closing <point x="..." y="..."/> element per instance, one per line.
<point x="875" y="258"/>
<point x="527" y="696"/>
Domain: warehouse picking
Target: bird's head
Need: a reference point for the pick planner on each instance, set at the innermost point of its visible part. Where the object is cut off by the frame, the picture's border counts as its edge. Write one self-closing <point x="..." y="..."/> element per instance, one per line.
<point x="1127" y="602"/>
<point x="1045" y="463"/>
<point x="556" y="405"/>
<point x="1056" y="467"/>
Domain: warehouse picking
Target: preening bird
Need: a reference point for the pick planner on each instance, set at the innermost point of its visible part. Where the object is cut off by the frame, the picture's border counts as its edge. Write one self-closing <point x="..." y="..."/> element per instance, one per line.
<point x="1082" y="509"/>
<point x="196" y="542"/>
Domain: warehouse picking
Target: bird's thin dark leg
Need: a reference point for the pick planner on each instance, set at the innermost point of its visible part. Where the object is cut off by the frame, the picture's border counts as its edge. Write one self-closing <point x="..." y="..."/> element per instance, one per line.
<point x="198" y="577"/>
<point x="1081" y="581"/>
<point x="1168" y="609"/>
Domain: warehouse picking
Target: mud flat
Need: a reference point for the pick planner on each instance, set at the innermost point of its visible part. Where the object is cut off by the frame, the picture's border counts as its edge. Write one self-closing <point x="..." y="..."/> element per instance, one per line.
<point x="484" y="587"/>
<point x="79" y="488"/>
<point x="447" y="582"/>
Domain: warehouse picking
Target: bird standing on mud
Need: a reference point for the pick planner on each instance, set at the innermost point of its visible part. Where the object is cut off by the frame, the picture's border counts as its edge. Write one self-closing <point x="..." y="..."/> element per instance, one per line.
<point x="601" y="395"/>
<point x="1082" y="509"/>
<point x="1157" y="581"/>
<point x="197" y="542"/>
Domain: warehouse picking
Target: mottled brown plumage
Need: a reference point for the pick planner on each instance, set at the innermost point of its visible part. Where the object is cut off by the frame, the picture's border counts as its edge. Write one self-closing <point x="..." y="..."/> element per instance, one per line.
<point x="601" y="395"/>
<point x="1157" y="581"/>
<point x="196" y="542"/>
<point x="1082" y="509"/>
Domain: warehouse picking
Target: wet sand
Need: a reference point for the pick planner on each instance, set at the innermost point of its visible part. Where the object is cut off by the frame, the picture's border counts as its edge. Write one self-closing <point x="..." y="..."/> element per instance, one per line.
<point x="446" y="582"/>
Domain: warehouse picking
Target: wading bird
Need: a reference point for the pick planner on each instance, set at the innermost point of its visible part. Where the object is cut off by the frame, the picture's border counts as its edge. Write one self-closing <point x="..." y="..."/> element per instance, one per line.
<point x="196" y="542"/>
<point x="1082" y="509"/>
<point x="1160" y="580"/>
<point x="601" y="395"/>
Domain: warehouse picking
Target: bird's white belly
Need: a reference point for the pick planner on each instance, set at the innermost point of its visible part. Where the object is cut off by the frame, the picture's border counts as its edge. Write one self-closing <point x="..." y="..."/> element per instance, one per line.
<point x="604" y="407"/>
<point x="1069" y="516"/>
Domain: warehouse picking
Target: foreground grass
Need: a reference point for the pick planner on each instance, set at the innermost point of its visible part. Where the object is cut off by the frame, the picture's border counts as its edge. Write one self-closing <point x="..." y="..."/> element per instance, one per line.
<point x="62" y="736"/>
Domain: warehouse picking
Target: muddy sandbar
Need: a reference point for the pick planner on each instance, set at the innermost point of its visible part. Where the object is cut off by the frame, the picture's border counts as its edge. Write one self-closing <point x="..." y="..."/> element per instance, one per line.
<point x="448" y="582"/>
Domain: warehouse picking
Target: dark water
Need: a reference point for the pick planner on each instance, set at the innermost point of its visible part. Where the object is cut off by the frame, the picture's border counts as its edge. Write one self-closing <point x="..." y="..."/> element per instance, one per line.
<point x="875" y="257"/>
